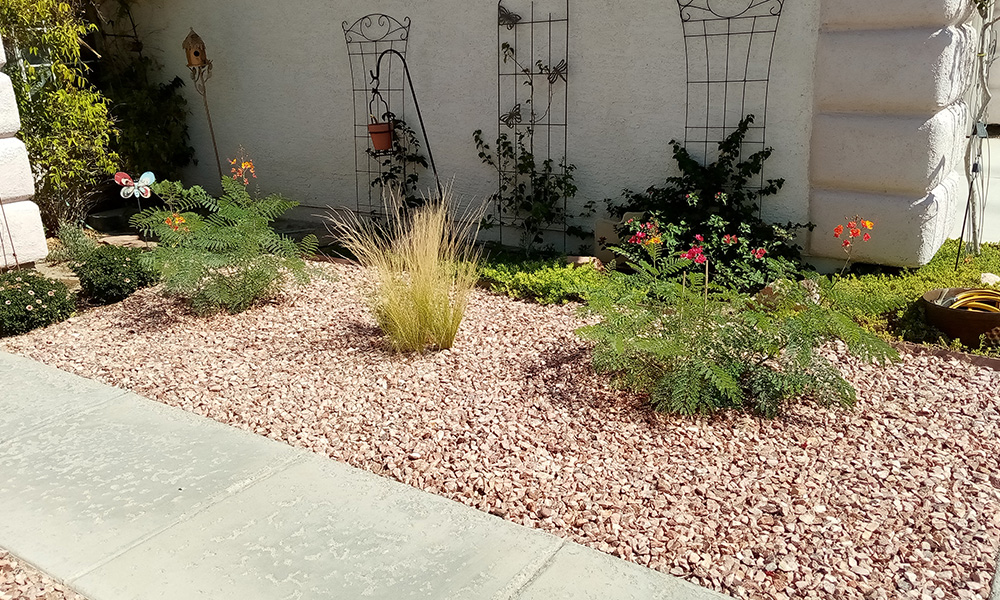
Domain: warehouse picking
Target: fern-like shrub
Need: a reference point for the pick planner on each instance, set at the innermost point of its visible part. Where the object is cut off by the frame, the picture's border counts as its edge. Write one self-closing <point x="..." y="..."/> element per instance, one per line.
<point x="29" y="301"/>
<point x="545" y="282"/>
<point x="425" y="267"/>
<point x="697" y="351"/>
<point x="221" y="254"/>
<point x="110" y="274"/>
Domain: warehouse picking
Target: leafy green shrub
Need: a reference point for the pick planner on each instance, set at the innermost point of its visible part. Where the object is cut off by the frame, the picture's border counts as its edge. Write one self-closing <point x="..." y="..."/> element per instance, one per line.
<point x="29" y="301"/>
<point x="75" y="245"/>
<point x="111" y="274"/>
<point x="545" y="282"/>
<point x="698" y="351"/>
<point x="715" y="208"/>
<point x="425" y="266"/>
<point x="222" y="254"/>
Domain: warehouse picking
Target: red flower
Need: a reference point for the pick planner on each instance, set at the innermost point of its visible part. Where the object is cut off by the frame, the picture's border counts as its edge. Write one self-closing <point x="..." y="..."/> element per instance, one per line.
<point x="700" y="259"/>
<point x="846" y="243"/>
<point x="759" y="253"/>
<point x="855" y="232"/>
<point x="700" y="237"/>
<point x="852" y="224"/>
<point x="839" y="229"/>
<point x="867" y="237"/>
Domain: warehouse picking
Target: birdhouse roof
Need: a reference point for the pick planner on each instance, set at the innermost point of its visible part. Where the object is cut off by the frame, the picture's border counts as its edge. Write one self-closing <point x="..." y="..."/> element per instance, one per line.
<point x="192" y="41"/>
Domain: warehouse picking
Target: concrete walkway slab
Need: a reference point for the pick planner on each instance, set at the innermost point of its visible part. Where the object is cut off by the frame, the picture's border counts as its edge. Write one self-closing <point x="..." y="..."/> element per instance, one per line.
<point x="127" y="499"/>
<point x="30" y="396"/>
<point x="84" y="488"/>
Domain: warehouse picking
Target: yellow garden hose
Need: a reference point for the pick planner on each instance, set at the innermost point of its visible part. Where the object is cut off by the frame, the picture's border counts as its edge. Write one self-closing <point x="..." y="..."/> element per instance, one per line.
<point x="978" y="301"/>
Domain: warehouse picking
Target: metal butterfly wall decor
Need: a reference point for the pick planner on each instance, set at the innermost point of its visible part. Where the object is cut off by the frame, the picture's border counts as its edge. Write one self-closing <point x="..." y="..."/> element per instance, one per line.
<point x="508" y="18"/>
<point x="512" y="117"/>
<point x="130" y="187"/>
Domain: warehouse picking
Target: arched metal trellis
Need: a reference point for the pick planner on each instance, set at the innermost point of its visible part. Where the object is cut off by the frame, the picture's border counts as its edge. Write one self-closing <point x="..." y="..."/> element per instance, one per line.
<point x="366" y="39"/>
<point x="729" y="45"/>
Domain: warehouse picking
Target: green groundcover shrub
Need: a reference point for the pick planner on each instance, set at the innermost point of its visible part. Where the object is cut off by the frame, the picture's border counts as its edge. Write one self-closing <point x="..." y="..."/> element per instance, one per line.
<point x="544" y="281"/>
<point x="886" y="300"/>
<point x="111" y="274"/>
<point x="29" y="301"/>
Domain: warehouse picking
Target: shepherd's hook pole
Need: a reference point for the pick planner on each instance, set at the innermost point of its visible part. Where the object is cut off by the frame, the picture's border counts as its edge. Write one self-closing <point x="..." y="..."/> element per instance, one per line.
<point x="406" y="69"/>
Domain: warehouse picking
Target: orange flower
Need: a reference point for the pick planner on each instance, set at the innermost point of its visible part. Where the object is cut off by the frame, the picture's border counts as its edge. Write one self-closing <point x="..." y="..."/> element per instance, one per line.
<point x="839" y="229"/>
<point x="867" y="224"/>
<point x="855" y="233"/>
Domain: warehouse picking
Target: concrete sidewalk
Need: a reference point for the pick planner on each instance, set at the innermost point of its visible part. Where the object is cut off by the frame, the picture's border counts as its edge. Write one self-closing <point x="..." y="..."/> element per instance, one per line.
<point x="124" y="498"/>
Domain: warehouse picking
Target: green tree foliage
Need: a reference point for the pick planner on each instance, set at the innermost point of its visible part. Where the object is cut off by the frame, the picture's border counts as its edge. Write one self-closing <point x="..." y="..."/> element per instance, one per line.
<point x="697" y="351"/>
<point x="65" y="123"/>
<point x="222" y="253"/>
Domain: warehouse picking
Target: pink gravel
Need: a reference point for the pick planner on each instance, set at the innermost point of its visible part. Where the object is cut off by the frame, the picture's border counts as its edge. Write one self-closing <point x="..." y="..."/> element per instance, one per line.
<point x="21" y="581"/>
<point x="898" y="498"/>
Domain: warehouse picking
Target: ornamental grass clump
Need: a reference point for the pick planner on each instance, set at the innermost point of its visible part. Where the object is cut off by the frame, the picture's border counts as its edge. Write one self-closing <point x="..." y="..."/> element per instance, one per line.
<point x="425" y="266"/>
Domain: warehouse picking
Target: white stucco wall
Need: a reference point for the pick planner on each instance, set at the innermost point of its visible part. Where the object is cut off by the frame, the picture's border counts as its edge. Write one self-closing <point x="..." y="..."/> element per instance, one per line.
<point x="865" y="106"/>
<point x="889" y="134"/>
<point x="281" y="87"/>
<point x="21" y="231"/>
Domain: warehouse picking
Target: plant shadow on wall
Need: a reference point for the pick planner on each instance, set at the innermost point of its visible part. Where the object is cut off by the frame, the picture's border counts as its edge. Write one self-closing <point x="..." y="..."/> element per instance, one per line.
<point x="713" y="211"/>
<point x="152" y="116"/>
<point x="532" y="192"/>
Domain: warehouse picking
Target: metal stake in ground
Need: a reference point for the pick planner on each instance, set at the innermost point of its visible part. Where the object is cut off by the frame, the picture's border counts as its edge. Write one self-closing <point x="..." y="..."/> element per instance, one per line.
<point x="201" y="72"/>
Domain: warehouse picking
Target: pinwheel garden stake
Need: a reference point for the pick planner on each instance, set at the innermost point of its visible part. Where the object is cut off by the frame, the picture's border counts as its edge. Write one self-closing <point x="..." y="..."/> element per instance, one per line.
<point x="201" y="72"/>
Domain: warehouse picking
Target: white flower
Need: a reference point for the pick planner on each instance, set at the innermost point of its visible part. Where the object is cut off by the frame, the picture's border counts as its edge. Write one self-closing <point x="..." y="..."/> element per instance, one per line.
<point x="7" y="303"/>
<point x="51" y="293"/>
<point x="31" y="292"/>
<point x="38" y="301"/>
<point x="127" y="280"/>
<point x="29" y="307"/>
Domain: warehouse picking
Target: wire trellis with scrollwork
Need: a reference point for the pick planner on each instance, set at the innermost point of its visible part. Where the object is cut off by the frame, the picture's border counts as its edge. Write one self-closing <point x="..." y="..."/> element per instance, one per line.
<point x="729" y="47"/>
<point x="366" y="39"/>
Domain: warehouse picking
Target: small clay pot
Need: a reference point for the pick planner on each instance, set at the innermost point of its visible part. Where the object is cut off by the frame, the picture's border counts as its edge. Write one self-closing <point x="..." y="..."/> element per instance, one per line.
<point x="381" y="134"/>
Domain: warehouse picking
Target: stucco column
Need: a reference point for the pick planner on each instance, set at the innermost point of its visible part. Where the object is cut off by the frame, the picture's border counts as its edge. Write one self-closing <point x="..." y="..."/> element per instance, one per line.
<point x="21" y="229"/>
<point x="890" y="125"/>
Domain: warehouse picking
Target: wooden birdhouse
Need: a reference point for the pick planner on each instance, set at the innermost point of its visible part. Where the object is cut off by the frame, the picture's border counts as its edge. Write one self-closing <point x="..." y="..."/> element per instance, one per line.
<point x="195" y="49"/>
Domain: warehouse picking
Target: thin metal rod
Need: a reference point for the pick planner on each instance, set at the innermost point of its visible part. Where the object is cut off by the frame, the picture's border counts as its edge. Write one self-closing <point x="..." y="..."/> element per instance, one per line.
<point x="211" y="132"/>
<point x="406" y="69"/>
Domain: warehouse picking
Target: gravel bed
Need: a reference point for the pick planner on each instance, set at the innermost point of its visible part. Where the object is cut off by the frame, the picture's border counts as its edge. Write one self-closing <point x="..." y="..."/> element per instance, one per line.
<point x="898" y="498"/>
<point x="21" y="581"/>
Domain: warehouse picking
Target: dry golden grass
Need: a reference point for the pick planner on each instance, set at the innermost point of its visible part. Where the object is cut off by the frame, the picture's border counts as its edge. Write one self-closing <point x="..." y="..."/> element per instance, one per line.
<point x="425" y="264"/>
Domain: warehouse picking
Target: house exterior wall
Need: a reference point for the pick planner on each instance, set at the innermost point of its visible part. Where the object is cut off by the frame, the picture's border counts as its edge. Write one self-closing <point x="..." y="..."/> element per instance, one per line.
<point x="21" y="231"/>
<point x="864" y="107"/>
<point x="890" y="124"/>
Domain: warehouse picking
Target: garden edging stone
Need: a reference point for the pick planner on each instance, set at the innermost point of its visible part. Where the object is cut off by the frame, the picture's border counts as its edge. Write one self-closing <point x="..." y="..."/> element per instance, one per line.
<point x="122" y="497"/>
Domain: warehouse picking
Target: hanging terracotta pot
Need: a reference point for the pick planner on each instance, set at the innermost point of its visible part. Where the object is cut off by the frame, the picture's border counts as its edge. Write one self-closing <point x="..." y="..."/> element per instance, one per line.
<point x="381" y="134"/>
